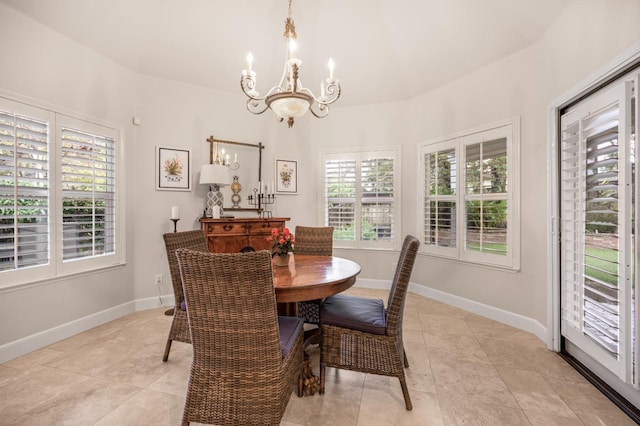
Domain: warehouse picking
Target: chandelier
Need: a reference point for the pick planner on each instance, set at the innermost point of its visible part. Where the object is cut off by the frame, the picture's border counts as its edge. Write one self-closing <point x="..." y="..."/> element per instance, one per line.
<point x="289" y="99"/>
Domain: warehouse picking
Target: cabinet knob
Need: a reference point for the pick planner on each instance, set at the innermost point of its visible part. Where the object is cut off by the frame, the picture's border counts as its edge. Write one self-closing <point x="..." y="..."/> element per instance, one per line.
<point x="227" y="227"/>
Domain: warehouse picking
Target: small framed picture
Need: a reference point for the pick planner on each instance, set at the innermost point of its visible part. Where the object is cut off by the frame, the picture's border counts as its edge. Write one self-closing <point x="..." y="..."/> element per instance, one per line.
<point x="173" y="169"/>
<point x="286" y="177"/>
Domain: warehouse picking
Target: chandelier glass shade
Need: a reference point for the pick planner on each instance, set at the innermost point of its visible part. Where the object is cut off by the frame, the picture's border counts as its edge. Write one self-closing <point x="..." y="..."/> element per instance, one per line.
<point x="289" y="99"/>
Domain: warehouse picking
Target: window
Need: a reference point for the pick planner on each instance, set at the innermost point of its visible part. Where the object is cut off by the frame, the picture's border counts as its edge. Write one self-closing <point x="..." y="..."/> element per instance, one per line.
<point x="470" y="208"/>
<point x="360" y="196"/>
<point x="58" y="194"/>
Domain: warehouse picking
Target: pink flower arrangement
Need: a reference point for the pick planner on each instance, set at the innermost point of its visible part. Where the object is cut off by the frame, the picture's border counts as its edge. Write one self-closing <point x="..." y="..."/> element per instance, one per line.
<point x="282" y="241"/>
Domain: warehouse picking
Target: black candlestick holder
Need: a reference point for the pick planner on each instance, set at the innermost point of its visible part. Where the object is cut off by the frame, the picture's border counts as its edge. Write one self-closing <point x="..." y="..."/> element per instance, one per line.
<point x="261" y="201"/>
<point x="175" y="225"/>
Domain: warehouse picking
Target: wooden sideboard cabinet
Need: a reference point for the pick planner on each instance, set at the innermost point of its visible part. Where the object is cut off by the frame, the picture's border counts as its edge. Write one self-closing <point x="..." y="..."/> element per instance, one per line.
<point x="233" y="235"/>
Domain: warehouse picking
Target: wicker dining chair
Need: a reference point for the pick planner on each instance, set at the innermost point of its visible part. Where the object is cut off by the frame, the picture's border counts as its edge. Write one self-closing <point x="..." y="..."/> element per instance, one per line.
<point x="359" y="334"/>
<point x="246" y="359"/>
<point x="194" y="240"/>
<point x="319" y="241"/>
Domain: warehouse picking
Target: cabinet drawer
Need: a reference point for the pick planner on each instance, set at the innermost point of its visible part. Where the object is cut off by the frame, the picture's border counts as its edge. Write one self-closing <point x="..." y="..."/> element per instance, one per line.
<point x="264" y="228"/>
<point x="226" y="228"/>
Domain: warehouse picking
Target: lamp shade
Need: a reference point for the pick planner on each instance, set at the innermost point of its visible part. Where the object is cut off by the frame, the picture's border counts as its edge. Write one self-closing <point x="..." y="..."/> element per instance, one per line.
<point x="214" y="174"/>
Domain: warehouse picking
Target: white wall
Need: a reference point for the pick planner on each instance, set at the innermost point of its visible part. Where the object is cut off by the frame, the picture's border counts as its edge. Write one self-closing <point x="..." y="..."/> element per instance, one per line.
<point x="56" y="71"/>
<point x="587" y="35"/>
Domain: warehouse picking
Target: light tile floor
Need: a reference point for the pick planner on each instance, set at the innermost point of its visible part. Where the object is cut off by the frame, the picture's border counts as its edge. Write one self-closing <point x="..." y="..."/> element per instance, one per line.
<point x="464" y="369"/>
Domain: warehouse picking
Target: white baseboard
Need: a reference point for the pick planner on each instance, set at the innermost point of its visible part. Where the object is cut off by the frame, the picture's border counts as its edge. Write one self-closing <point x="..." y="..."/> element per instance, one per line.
<point x="496" y="314"/>
<point x="27" y="344"/>
<point x="166" y="301"/>
<point x="23" y="346"/>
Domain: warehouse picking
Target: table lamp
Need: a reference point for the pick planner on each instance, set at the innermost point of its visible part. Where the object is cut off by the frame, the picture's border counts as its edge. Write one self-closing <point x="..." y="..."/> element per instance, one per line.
<point x="216" y="176"/>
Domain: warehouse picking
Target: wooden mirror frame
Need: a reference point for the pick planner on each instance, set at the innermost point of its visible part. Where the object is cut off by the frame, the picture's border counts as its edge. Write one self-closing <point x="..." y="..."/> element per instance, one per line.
<point x="259" y="146"/>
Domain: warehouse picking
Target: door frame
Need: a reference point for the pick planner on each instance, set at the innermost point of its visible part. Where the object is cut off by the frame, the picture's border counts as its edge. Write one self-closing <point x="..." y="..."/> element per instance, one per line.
<point x="621" y="392"/>
<point x="617" y="67"/>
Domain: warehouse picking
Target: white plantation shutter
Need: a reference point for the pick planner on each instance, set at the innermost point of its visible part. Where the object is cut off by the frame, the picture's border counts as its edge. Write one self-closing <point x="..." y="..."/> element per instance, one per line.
<point x="440" y="198"/>
<point x="24" y="191"/>
<point x="486" y="197"/>
<point x="340" y="197"/>
<point x="88" y="194"/>
<point x="595" y="219"/>
<point x="601" y="212"/>
<point x="360" y="198"/>
<point x="377" y="178"/>
<point x="572" y="158"/>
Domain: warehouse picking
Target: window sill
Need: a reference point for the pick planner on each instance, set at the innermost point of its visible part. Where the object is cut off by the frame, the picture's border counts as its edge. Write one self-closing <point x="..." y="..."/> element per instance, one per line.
<point x="473" y="263"/>
<point x="17" y="286"/>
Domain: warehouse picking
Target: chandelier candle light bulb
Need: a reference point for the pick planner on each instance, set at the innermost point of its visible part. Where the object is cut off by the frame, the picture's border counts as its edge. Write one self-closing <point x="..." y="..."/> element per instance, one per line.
<point x="292" y="48"/>
<point x="249" y="62"/>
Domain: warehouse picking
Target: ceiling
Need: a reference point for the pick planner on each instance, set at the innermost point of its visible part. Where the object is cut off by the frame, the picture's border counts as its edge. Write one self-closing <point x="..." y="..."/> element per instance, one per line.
<point x="384" y="50"/>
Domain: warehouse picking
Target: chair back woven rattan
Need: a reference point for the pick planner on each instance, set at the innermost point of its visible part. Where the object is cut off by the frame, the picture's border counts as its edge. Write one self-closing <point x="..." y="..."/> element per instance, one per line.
<point x="374" y="353"/>
<point x="238" y="374"/>
<point x="193" y="240"/>
<point x="316" y="240"/>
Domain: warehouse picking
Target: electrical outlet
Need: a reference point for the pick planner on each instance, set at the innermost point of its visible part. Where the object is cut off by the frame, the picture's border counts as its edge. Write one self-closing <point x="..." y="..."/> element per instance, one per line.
<point x="158" y="280"/>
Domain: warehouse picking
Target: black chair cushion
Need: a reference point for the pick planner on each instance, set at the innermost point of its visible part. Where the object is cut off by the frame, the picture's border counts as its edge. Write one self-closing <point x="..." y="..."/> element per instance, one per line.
<point x="289" y="328"/>
<point x="355" y="313"/>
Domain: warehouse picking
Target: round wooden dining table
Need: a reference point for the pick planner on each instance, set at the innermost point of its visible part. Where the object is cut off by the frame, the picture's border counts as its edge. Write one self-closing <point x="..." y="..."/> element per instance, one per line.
<point x="310" y="277"/>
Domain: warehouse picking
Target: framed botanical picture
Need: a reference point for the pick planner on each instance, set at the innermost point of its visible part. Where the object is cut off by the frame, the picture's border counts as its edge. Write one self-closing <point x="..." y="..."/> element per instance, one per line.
<point x="173" y="169"/>
<point x="286" y="177"/>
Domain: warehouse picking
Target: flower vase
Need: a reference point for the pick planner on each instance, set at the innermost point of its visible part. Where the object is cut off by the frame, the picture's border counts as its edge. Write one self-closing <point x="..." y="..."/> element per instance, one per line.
<point x="282" y="259"/>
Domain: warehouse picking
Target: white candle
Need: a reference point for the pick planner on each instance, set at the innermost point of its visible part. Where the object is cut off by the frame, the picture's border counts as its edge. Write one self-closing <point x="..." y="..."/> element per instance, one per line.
<point x="292" y="48"/>
<point x="249" y="61"/>
<point x="175" y="212"/>
<point x="227" y="158"/>
<point x="273" y="188"/>
<point x="331" y="67"/>
<point x="235" y="157"/>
